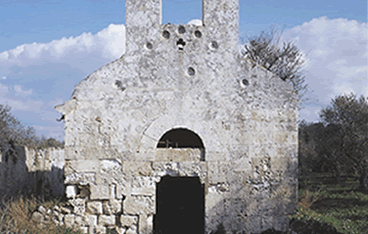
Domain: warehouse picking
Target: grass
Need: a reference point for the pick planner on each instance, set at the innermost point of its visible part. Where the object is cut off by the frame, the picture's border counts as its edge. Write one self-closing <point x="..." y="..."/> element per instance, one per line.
<point x="15" y="217"/>
<point x="339" y="205"/>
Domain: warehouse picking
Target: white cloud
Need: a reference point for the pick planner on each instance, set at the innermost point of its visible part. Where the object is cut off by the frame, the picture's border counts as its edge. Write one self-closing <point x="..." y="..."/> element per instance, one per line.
<point x="108" y="43"/>
<point x="337" y="57"/>
<point x="52" y="69"/>
<point x="197" y="22"/>
<point x="19" y="91"/>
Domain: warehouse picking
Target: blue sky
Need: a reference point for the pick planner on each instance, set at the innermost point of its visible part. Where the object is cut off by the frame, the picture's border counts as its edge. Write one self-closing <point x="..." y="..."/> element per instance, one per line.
<point x="47" y="47"/>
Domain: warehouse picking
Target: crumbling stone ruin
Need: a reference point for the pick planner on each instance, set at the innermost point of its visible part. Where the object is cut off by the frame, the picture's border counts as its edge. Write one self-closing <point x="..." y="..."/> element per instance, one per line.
<point x="181" y="134"/>
<point x="25" y="170"/>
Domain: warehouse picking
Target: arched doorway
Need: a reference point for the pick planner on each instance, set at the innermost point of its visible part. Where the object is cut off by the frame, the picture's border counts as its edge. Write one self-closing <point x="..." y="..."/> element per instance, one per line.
<point x="182" y="138"/>
<point x="179" y="206"/>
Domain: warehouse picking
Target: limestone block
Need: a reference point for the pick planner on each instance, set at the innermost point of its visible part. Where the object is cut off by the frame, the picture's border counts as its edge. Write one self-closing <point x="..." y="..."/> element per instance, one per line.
<point x="145" y="224"/>
<point x="214" y="203"/>
<point x="127" y="220"/>
<point x="139" y="168"/>
<point x="131" y="230"/>
<point x="78" y="220"/>
<point x="139" y="204"/>
<point x="144" y="185"/>
<point x="219" y="188"/>
<point x="120" y="230"/>
<point x="90" y="220"/>
<point x="241" y="162"/>
<point x="84" y="230"/>
<point x="236" y="207"/>
<point x="37" y="217"/>
<point x="110" y="171"/>
<point x="146" y="155"/>
<point x="82" y="165"/>
<point x="69" y="220"/>
<point x="94" y="207"/>
<point x="123" y="187"/>
<point x="111" y="206"/>
<point x="149" y="224"/>
<point x="81" y="178"/>
<point x="178" y="154"/>
<point x="212" y="156"/>
<point x="106" y="220"/>
<point x="112" y="191"/>
<point x="71" y="191"/>
<point x="165" y="168"/>
<point x="79" y="205"/>
<point x="57" y="217"/>
<point x="43" y="210"/>
<point x="218" y="172"/>
<point x="100" y="229"/>
<point x="253" y="224"/>
<point x="99" y="192"/>
<point x="198" y="169"/>
<point x="106" y="166"/>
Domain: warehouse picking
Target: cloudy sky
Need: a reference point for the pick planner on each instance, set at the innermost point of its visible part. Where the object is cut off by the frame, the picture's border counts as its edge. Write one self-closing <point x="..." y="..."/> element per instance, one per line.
<point x="47" y="47"/>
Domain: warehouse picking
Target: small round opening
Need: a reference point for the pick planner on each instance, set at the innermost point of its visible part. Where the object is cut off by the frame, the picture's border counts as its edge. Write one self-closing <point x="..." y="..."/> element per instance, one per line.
<point x="181" y="29"/>
<point x="214" y="45"/>
<point x="191" y="71"/>
<point x="245" y="82"/>
<point x="180" y="43"/>
<point x="149" y="45"/>
<point x="198" y="34"/>
<point x="166" y="34"/>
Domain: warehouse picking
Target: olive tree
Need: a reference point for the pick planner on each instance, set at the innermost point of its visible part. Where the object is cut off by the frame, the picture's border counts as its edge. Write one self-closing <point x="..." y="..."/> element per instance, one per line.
<point x="347" y="118"/>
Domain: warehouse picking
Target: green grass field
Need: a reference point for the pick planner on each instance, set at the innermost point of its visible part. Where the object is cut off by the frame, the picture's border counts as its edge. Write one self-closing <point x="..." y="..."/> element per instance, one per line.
<point x="341" y="205"/>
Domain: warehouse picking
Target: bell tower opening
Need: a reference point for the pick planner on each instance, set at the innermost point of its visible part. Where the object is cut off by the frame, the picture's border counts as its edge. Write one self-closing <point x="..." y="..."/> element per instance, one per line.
<point x="179" y="206"/>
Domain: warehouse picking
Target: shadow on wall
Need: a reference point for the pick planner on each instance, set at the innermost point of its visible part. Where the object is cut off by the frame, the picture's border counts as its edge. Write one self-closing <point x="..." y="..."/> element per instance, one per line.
<point x="25" y="171"/>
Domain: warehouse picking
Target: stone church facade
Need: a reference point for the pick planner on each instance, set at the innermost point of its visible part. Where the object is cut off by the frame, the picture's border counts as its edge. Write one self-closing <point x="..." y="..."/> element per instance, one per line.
<point x="181" y="134"/>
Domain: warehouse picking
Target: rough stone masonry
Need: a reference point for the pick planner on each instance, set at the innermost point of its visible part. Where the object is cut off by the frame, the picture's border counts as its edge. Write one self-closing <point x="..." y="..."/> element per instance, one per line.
<point x="181" y="134"/>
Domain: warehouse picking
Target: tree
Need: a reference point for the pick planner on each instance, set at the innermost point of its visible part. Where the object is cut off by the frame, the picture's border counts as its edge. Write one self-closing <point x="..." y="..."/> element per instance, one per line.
<point x="286" y="61"/>
<point x="347" y="119"/>
<point x="12" y="133"/>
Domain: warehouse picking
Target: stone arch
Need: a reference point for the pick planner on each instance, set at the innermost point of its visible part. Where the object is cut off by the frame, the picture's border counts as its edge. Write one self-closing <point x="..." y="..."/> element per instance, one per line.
<point x="180" y="138"/>
<point x="158" y="127"/>
<point x="180" y="144"/>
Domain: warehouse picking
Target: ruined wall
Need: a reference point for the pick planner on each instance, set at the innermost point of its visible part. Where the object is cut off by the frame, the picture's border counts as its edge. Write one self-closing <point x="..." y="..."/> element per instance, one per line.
<point x="189" y="77"/>
<point x="32" y="171"/>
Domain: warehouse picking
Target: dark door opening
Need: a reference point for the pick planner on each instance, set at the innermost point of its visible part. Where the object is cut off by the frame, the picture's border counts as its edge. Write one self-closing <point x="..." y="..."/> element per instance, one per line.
<point x="180" y="206"/>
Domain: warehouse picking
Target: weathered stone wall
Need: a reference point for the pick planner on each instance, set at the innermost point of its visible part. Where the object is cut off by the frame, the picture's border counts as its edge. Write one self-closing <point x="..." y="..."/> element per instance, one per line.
<point x="190" y="77"/>
<point x="32" y="171"/>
